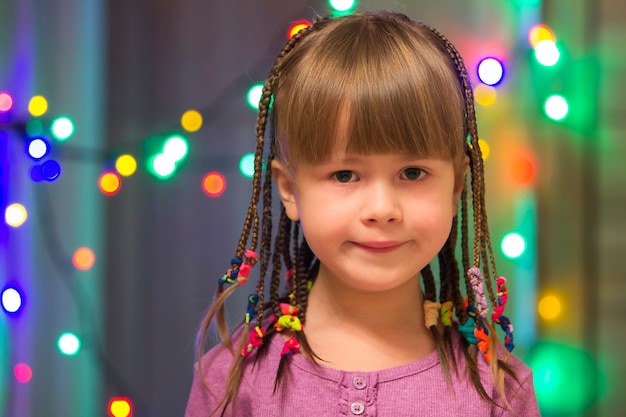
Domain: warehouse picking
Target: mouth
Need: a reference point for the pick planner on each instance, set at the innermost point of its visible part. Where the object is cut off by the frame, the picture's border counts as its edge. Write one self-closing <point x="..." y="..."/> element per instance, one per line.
<point x="379" y="246"/>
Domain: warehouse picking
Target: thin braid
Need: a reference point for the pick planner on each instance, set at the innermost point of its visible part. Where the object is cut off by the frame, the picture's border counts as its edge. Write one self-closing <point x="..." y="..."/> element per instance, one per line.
<point x="276" y="262"/>
<point x="301" y="286"/>
<point x="430" y="290"/>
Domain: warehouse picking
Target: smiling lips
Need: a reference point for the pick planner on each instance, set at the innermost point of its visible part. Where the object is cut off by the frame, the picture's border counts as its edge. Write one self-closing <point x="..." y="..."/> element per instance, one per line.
<point x="379" y="246"/>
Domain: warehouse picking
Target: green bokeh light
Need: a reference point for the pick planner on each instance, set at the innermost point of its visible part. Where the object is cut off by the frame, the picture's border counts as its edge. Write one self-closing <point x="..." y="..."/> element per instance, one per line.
<point x="567" y="379"/>
<point x="246" y="165"/>
<point x="62" y="128"/>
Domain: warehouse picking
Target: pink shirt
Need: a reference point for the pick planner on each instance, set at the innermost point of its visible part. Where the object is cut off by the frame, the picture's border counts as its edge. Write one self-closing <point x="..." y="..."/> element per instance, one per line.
<point x="307" y="389"/>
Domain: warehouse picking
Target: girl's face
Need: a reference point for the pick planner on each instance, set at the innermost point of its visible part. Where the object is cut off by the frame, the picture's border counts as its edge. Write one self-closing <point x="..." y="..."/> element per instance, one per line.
<point x="373" y="221"/>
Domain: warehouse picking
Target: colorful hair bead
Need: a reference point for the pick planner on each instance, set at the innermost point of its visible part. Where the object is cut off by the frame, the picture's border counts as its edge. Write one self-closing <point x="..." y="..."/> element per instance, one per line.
<point x="446" y="313"/>
<point x="253" y="300"/>
<point x="231" y="274"/>
<point x="256" y="340"/>
<point x="288" y="322"/>
<point x="476" y="279"/>
<point x="290" y="347"/>
<point x="288" y="309"/>
<point x="482" y="336"/>
<point x="431" y="313"/>
<point x="467" y="330"/>
<point x="246" y="266"/>
<point x="503" y="296"/>
<point x="506" y="325"/>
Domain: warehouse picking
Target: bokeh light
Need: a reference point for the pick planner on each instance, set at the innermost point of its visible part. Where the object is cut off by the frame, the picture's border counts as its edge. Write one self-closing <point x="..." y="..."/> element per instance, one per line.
<point x="83" y="258"/>
<point x="68" y="344"/>
<point x="175" y="148"/>
<point x="6" y="101"/>
<point x="549" y="307"/>
<point x="297" y="27"/>
<point x="540" y="33"/>
<point x="547" y="53"/>
<point x="35" y="173"/>
<point x="490" y="71"/>
<point x="37" y="148"/>
<point x="11" y="300"/>
<point x="37" y="106"/>
<point x="523" y="169"/>
<point x="254" y="95"/>
<point x="34" y="127"/>
<point x="126" y="165"/>
<point x="342" y="5"/>
<point x="163" y="166"/>
<point x="246" y="165"/>
<point x="22" y="373"/>
<point x="213" y="184"/>
<point x="15" y="215"/>
<point x="485" y="95"/>
<point x="120" y="407"/>
<point x="558" y="369"/>
<point x="556" y="107"/>
<point x="485" y="149"/>
<point x="62" y="128"/>
<point x="513" y="245"/>
<point x="191" y="120"/>
<point x="50" y="170"/>
<point x="109" y="183"/>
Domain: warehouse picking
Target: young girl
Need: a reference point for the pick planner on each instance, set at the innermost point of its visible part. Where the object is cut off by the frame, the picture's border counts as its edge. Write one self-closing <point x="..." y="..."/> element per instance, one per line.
<point x="373" y="134"/>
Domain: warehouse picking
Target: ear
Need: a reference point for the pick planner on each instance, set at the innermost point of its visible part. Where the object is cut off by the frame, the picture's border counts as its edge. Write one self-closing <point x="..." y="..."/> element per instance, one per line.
<point x="286" y="189"/>
<point x="460" y="183"/>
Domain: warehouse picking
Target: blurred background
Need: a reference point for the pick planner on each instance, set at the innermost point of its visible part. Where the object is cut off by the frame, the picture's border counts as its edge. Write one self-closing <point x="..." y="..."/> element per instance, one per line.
<point x="125" y="129"/>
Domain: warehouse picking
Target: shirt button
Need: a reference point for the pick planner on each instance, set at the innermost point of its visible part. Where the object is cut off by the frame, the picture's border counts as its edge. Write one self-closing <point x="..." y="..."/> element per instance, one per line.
<point x="357" y="408"/>
<point x="359" y="382"/>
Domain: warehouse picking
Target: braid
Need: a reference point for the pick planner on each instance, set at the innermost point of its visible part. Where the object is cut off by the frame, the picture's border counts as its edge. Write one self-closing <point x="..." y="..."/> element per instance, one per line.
<point x="283" y="232"/>
<point x="430" y="291"/>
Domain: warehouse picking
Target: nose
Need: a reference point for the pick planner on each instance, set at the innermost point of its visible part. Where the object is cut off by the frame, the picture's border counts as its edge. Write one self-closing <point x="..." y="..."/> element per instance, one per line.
<point x="381" y="204"/>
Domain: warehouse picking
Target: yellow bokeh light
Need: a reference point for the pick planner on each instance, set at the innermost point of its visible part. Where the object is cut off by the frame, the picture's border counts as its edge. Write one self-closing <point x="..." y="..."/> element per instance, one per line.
<point x="485" y="149"/>
<point x="293" y="30"/>
<point x="126" y="165"/>
<point x="120" y="408"/>
<point x="540" y="33"/>
<point x="191" y="120"/>
<point x="549" y="307"/>
<point x="38" y="106"/>
<point x="485" y="95"/>
<point x="15" y="215"/>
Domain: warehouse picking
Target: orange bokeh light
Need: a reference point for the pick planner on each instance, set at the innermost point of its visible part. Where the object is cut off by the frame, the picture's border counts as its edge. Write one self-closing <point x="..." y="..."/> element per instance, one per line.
<point x="83" y="258"/>
<point x="213" y="184"/>
<point x="109" y="183"/>
<point x="524" y="170"/>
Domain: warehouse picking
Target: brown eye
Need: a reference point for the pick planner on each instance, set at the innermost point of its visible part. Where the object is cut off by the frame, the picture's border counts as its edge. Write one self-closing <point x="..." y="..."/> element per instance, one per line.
<point x="412" y="173"/>
<point x="343" y="176"/>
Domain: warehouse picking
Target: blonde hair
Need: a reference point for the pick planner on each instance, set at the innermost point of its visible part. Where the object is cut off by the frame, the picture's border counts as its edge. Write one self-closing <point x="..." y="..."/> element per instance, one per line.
<point x="404" y="88"/>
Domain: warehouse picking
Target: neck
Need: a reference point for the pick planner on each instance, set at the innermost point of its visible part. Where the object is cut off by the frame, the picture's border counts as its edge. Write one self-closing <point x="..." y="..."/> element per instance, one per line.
<point x="353" y="329"/>
<point x="332" y="299"/>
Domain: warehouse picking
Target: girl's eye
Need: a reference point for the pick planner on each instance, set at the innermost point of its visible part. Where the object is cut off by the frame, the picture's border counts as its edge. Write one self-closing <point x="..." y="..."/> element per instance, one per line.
<point x="412" y="173"/>
<point x="344" y="176"/>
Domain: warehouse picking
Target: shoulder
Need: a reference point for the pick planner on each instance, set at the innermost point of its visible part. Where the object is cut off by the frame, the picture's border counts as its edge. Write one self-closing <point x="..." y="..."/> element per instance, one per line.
<point x="211" y="377"/>
<point x="516" y="380"/>
<point x="209" y="381"/>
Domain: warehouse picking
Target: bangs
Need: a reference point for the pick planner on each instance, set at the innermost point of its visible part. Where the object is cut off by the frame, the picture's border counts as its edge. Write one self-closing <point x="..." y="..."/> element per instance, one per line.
<point x="371" y="88"/>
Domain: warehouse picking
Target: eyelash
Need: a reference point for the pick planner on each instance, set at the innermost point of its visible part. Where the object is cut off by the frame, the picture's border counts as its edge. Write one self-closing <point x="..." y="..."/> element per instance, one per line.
<point x="420" y="173"/>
